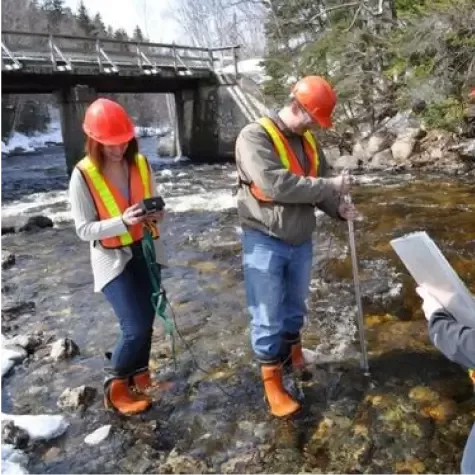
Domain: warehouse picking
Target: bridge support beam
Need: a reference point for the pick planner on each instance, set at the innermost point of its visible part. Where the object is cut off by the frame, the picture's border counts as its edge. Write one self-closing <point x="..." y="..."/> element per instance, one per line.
<point x="196" y="124"/>
<point x="205" y="128"/>
<point x="73" y="103"/>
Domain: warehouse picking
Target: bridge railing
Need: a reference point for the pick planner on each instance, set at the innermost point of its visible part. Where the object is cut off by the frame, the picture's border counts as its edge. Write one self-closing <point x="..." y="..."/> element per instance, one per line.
<point x="65" y="53"/>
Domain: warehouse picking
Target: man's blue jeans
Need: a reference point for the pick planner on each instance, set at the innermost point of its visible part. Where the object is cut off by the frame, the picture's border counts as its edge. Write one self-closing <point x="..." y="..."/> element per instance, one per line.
<point x="277" y="279"/>
<point x="130" y="296"/>
<point x="468" y="460"/>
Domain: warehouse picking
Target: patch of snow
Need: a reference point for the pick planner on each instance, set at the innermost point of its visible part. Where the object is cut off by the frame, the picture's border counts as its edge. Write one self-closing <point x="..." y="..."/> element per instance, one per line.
<point x="40" y="427"/>
<point x="19" y="142"/>
<point x="248" y="67"/>
<point x="10" y="356"/>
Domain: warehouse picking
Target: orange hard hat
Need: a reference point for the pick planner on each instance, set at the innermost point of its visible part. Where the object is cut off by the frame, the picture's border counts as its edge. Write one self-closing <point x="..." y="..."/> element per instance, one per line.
<point x="317" y="97"/>
<point x="108" y="123"/>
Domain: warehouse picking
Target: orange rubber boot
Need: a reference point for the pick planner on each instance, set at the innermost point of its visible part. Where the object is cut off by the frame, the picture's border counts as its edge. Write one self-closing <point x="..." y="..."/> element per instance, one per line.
<point x="143" y="384"/>
<point x="281" y="403"/>
<point x="119" y="398"/>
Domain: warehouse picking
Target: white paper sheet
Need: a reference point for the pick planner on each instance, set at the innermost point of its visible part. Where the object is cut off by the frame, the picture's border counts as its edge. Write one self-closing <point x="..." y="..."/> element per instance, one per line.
<point x="430" y="269"/>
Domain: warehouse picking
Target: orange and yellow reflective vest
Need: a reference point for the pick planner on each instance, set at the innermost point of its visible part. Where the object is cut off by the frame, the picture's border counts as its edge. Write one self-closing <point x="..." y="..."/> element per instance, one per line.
<point x="111" y="203"/>
<point x="287" y="156"/>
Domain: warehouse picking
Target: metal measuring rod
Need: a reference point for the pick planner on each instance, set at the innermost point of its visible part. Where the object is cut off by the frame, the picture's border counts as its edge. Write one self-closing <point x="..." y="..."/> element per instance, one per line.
<point x="356" y="279"/>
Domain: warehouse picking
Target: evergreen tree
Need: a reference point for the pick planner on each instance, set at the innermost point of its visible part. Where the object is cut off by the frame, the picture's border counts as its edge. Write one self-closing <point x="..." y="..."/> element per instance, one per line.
<point x="99" y="28"/>
<point x="138" y="35"/>
<point x="380" y="55"/>
<point x="122" y="35"/>
<point x="54" y="12"/>
<point x="84" y="20"/>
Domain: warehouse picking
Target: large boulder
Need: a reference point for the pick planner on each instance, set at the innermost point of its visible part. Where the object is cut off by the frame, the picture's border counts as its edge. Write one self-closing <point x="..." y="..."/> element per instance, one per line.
<point x="405" y="143"/>
<point x="332" y="154"/>
<point x="402" y="121"/>
<point x="378" y="142"/>
<point x="381" y="160"/>
<point x="347" y="162"/>
<point x="465" y="149"/>
<point x="360" y="150"/>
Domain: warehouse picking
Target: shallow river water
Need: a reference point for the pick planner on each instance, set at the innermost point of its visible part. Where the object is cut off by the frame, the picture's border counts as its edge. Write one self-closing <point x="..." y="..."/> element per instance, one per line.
<point x="411" y="415"/>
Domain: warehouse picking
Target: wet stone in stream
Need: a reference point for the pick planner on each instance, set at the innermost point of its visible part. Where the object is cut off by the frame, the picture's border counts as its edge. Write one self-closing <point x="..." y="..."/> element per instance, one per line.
<point x="12" y="309"/>
<point x="80" y="397"/>
<point x="8" y="260"/>
<point x="11" y="434"/>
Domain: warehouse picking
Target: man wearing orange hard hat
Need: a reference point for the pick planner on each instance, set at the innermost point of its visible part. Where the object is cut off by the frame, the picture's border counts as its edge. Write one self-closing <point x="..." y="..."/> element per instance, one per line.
<point x="282" y="179"/>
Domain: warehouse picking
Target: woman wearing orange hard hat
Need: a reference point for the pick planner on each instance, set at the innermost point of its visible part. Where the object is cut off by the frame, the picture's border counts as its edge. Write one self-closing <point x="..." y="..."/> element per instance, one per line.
<point x="107" y="192"/>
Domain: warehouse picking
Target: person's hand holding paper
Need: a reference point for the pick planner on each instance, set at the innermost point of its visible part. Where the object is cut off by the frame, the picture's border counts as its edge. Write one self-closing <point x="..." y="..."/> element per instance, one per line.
<point x="430" y="303"/>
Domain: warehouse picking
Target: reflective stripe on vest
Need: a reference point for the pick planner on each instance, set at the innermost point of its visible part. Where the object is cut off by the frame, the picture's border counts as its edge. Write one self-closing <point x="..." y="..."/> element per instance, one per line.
<point x="471" y="373"/>
<point x="287" y="155"/>
<point x="110" y="202"/>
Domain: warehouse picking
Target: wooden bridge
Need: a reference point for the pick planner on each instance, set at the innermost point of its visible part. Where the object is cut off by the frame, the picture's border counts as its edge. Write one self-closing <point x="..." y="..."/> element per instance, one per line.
<point x="78" y="69"/>
<point x="41" y="63"/>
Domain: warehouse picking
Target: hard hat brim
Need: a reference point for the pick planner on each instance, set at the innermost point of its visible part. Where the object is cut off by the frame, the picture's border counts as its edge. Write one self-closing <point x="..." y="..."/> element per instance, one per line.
<point x="117" y="140"/>
<point x="323" y="121"/>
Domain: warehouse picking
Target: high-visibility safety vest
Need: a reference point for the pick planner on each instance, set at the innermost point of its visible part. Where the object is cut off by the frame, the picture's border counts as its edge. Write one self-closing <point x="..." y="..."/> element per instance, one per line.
<point x="111" y="203"/>
<point x="287" y="155"/>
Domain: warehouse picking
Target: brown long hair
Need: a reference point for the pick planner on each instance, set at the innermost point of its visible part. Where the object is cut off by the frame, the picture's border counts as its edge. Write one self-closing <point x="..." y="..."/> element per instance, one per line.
<point x="95" y="151"/>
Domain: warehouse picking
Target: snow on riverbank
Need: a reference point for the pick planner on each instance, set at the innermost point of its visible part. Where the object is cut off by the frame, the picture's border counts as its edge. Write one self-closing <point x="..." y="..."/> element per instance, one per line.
<point x="19" y="142"/>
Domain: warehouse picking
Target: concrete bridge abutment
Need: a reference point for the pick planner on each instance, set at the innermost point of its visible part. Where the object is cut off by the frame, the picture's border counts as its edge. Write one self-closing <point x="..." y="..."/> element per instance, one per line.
<point x="196" y="123"/>
<point x="210" y="116"/>
<point x="73" y="102"/>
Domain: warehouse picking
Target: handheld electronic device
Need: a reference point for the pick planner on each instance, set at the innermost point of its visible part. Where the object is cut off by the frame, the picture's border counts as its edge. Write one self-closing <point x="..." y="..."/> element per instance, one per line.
<point x="151" y="205"/>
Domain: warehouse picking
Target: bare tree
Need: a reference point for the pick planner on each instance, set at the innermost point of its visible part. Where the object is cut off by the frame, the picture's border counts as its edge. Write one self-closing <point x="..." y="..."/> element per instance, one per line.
<point x="215" y="23"/>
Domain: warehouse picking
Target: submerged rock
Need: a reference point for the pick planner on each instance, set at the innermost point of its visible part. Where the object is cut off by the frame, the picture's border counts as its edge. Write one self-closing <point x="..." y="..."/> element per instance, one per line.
<point x="13" y="309"/>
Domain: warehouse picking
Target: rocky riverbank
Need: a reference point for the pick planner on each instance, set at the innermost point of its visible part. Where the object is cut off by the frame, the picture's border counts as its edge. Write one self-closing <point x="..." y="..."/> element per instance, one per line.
<point x="410" y="416"/>
<point x="402" y="143"/>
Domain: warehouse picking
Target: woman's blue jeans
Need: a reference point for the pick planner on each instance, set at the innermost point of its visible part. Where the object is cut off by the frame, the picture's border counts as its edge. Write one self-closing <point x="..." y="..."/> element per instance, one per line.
<point x="130" y="296"/>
